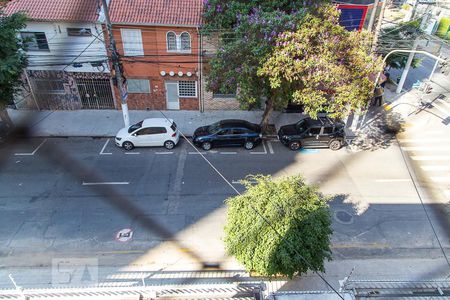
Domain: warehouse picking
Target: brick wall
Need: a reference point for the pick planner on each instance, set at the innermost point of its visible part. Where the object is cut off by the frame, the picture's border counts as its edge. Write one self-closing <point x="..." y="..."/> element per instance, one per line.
<point x="189" y="104"/>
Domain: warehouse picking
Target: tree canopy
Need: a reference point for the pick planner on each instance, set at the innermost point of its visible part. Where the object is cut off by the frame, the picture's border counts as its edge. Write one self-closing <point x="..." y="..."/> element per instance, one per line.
<point x="297" y="211"/>
<point x="12" y="58"/>
<point x="328" y="68"/>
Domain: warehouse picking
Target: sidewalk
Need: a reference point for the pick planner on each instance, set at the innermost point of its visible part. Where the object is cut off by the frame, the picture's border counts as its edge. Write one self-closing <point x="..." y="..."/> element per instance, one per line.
<point x="106" y="123"/>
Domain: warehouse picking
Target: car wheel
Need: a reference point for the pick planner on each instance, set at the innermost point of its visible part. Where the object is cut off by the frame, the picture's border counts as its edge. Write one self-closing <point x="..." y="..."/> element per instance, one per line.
<point x="206" y="146"/>
<point x="294" y="146"/>
<point x="335" y="145"/>
<point x="169" y="145"/>
<point x="249" y="145"/>
<point x="128" y="145"/>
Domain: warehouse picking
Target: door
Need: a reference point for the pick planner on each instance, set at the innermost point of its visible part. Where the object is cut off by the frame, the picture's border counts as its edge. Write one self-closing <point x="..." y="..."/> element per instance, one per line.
<point x="326" y="136"/>
<point x="311" y="137"/>
<point x="95" y="93"/>
<point x="173" y="102"/>
<point x="238" y="136"/>
<point x="145" y="137"/>
<point x="223" y="138"/>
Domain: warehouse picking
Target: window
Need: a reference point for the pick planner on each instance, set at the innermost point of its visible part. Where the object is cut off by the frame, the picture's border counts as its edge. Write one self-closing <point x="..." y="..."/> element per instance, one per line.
<point x="132" y="42"/>
<point x="138" y="86"/>
<point x="151" y="130"/>
<point x="239" y="131"/>
<point x="171" y="41"/>
<point x="187" y="88"/>
<point x="48" y="86"/>
<point x="185" y="41"/>
<point x="224" y="132"/>
<point x="35" y="41"/>
<point x="135" y="127"/>
<point x="79" y="32"/>
<point x="314" y="130"/>
<point x="328" y="130"/>
<point x="178" y="43"/>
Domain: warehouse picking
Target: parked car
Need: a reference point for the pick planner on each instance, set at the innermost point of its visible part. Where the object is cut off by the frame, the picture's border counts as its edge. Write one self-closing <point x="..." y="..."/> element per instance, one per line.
<point x="323" y="132"/>
<point x="149" y="132"/>
<point x="5" y="130"/>
<point x="228" y="133"/>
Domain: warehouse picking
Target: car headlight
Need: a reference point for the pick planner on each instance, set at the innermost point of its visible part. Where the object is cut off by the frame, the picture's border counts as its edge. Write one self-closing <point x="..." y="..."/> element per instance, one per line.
<point x="118" y="138"/>
<point x="284" y="137"/>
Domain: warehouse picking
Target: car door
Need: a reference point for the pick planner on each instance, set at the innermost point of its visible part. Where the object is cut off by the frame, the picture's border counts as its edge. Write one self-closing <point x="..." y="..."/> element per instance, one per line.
<point x="311" y="137"/>
<point x="159" y="136"/>
<point x="326" y="136"/>
<point x="142" y="137"/>
<point x="223" y="137"/>
<point x="238" y="136"/>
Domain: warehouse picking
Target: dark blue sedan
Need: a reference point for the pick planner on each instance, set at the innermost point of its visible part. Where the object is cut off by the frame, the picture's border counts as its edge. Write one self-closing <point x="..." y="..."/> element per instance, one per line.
<point x="228" y="133"/>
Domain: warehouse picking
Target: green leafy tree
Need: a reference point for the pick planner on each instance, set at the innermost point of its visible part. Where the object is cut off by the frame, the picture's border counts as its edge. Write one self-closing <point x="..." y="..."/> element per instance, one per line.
<point x="327" y="68"/>
<point x="400" y="36"/>
<point x="297" y="211"/>
<point x="247" y="33"/>
<point x="12" y="59"/>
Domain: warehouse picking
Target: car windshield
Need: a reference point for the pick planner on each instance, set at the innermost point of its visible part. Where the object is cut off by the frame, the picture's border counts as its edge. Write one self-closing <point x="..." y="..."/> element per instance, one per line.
<point x="135" y="127"/>
<point x="214" y="128"/>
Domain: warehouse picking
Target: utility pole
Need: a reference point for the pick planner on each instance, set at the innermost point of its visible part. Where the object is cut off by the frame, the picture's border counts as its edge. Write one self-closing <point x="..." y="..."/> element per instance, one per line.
<point x="407" y="67"/>
<point x="372" y="16"/>
<point x="378" y="28"/>
<point x="115" y="62"/>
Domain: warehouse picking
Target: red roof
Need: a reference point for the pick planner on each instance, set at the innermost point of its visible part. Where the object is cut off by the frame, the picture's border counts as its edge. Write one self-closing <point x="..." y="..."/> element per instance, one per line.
<point x="157" y="12"/>
<point x="56" y="10"/>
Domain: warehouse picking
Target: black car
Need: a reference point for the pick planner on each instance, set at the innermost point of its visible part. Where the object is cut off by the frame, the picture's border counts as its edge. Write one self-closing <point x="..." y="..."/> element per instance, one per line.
<point x="323" y="132"/>
<point x="228" y="133"/>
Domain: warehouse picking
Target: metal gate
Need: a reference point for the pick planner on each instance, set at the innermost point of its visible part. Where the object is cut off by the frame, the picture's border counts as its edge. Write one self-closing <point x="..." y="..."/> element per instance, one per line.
<point x="95" y="93"/>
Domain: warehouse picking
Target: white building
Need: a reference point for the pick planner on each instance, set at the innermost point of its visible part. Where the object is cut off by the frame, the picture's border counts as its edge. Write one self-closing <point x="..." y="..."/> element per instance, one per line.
<point x="68" y="66"/>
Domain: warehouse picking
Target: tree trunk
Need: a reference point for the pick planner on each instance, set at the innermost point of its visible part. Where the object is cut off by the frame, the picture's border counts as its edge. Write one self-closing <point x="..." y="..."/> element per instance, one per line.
<point x="265" y="119"/>
<point x="5" y="117"/>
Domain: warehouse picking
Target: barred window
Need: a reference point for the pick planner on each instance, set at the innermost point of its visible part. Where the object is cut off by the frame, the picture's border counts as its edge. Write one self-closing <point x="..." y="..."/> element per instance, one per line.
<point x="185" y="41"/>
<point x="187" y="88"/>
<point x="138" y="86"/>
<point x="171" y="41"/>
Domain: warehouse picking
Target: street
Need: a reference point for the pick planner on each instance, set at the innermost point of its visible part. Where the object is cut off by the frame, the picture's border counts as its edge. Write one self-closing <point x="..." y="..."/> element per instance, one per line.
<point x="52" y="210"/>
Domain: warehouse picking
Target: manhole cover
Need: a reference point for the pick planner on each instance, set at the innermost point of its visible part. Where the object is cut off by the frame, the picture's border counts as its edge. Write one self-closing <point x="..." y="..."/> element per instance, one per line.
<point x="343" y="217"/>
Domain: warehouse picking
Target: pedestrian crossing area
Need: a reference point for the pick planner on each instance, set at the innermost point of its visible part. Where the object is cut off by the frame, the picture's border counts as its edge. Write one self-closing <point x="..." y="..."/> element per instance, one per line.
<point x="427" y="143"/>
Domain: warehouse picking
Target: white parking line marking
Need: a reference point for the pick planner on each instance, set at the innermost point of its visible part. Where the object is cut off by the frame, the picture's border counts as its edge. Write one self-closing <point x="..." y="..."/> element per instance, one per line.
<point x="431" y="157"/>
<point x="392" y="180"/>
<point x="135" y="153"/>
<point x="228" y="153"/>
<point x="198" y="153"/>
<point x="441" y="179"/>
<point x="424" y="148"/>
<point x="264" y="147"/>
<point x="32" y="153"/>
<point x="163" y="153"/>
<point x="435" y="168"/>
<point x="103" y="149"/>
<point x="423" y="141"/>
<point x="269" y="144"/>
<point x="106" y="183"/>
<point x="239" y="182"/>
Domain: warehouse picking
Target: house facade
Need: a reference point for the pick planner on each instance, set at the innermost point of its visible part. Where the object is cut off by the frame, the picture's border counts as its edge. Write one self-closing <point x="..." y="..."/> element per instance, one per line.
<point x="159" y="50"/>
<point x="67" y="58"/>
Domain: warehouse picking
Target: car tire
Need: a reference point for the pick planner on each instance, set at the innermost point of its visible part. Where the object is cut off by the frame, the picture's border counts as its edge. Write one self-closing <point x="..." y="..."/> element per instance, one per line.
<point x="294" y="146"/>
<point x="206" y="146"/>
<point x="249" y="145"/>
<point x="335" y="145"/>
<point x="169" y="145"/>
<point x="128" y="145"/>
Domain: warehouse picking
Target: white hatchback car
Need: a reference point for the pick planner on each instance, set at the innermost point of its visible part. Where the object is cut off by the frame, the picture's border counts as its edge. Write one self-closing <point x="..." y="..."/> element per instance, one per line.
<point x="149" y="132"/>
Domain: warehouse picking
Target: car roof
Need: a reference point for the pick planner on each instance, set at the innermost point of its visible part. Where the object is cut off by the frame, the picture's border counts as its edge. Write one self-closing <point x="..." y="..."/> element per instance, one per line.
<point x="321" y="121"/>
<point x="156" y="122"/>
<point x="235" y="123"/>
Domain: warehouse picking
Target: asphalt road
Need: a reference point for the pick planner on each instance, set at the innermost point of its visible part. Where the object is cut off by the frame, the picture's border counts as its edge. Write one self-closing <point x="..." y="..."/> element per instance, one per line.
<point x="54" y="209"/>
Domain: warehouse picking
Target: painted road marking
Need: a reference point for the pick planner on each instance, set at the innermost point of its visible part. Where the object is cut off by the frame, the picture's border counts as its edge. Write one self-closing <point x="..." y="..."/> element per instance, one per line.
<point x="393" y="180"/>
<point x="103" y="149"/>
<point x="124" y="235"/>
<point x="163" y="153"/>
<point x="269" y="145"/>
<point x="32" y="153"/>
<point x="264" y="147"/>
<point x="198" y="153"/>
<point x="132" y="153"/>
<point x="239" y="181"/>
<point x="228" y="153"/>
<point x="308" y="151"/>
<point x="435" y="168"/>
<point x="423" y="141"/>
<point x="106" y="183"/>
<point x="424" y="148"/>
<point x="431" y="157"/>
<point x="441" y="179"/>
